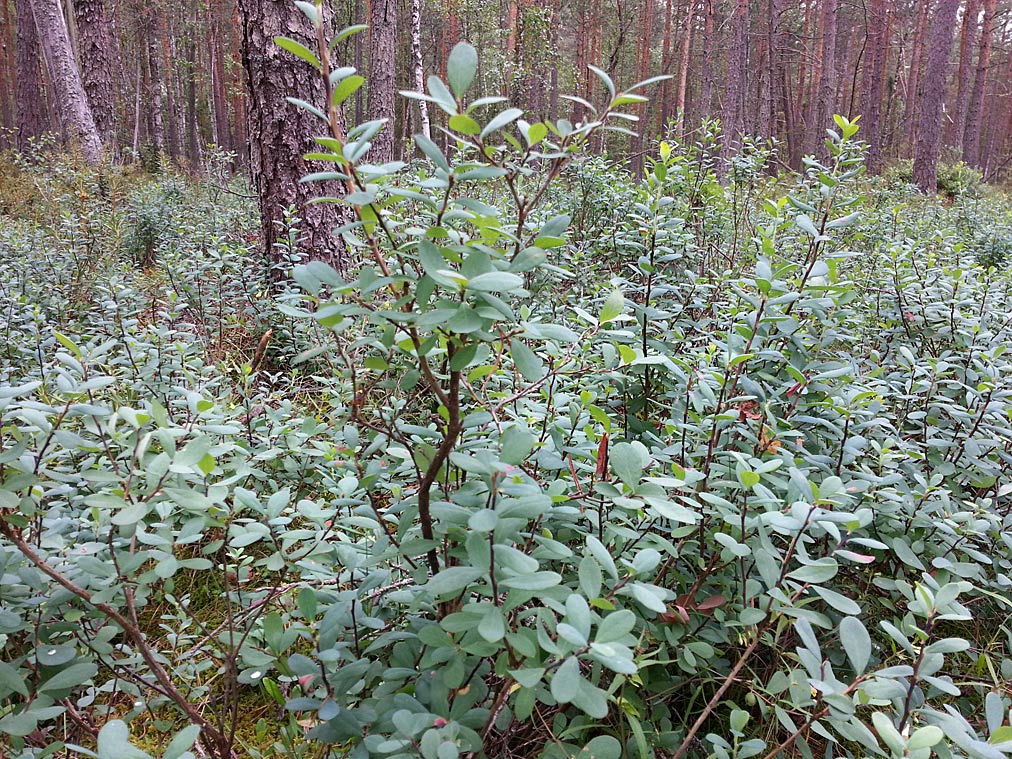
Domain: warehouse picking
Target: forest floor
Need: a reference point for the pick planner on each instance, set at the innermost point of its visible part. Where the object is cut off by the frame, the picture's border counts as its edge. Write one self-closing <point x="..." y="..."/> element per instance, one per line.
<point x="784" y="444"/>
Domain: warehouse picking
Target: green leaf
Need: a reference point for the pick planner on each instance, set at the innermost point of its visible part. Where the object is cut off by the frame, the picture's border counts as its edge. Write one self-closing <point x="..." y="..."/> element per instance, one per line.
<point x="820" y="570"/>
<point x="627" y="462"/>
<point x="856" y="642"/>
<point x="182" y="742"/>
<point x="994" y="711"/>
<point x="114" y="742"/>
<point x="838" y="601"/>
<point x="11" y="681"/>
<point x="603" y="76"/>
<point x="1001" y="735"/>
<point x="71" y="677"/>
<point x="601" y="747"/>
<point x="503" y="119"/>
<point x="530" y="366"/>
<point x="298" y="49"/>
<point x="464" y="124"/>
<point x="613" y="306"/>
<point x="307" y="603"/>
<point x="432" y="151"/>
<point x="528" y="678"/>
<point x="590" y="577"/>
<point x="567" y="681"/>
<point x="461" y="67"/>
<point x="492" y="627"/>
<point x="748" y="478"/>
<point x="55" y="656"/>
<point x="614" y="626"/>
<point x="495" y="281"/>
<point x="20" y="724"/>
<point x="346" y="89"/>
<point x="517" y="442"/>
<point x="888" y="733"/>
<point x="453" y="580"/>
<point x="805" y="223"/>
<point x="925" y="737"/>
<point x="533" y="581"/>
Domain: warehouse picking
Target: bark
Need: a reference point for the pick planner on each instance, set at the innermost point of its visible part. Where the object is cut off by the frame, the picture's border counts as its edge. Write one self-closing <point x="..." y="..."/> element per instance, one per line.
<point x="826" y="96"/>
<point x="667" y="66"/>
<point x="975" y="108"/>
<point x="153" y="52"/>
<point x="7" y="74"/>
<point x="417" y="71"/>
<point x="78" y="122"/>
<point x="31" y="101"/>
<point x="732" y="113"/>
<point x="967" y="40"/>
<point x="913" y="93"/>
<point x="706" y="92"/>
<point x="280" y="133"/>
<point x="643" y="71"/>
<point x="930" y="123"/>
<point x="382" y="73"/>
<point x="100" y="62"/>
<point x="880" y="21"/>
<point x="192" y="127"/>
<point x="170" y="82"/>
<point x="683" y="68"/>
<point x="219" y="98"/>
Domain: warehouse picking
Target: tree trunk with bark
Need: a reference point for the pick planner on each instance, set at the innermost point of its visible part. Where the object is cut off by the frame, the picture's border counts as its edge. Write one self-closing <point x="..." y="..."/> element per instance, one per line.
<point x="879" y="20"/>
<point x="78" y="121"/>
<point x="642" y="72"/>
<point x="156" y="119"/>
<point x="100" y="63"/>
<point x="30" y="100"/>
<point x="929" y="125"/>
<point x="825" y="97"/>
<point x="280" y="133"/>
<point x="382" y="73"/>
<point x="732" y="113"/>
<point x="683" y="68"/>
<point x="967" y="40"/>
<point x="975" y="108"/>
<point x="417" y="70"/>
<point x="914" y="83"/>
<point x="7" y="72"/>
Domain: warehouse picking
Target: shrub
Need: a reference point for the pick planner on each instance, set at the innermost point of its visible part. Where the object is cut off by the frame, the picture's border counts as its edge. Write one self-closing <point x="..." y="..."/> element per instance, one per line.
<point x="532" y="494"/>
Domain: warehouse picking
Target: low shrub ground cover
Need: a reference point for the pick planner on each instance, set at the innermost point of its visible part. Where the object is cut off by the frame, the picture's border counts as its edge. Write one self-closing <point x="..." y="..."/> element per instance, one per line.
<point x="569" y="464"/>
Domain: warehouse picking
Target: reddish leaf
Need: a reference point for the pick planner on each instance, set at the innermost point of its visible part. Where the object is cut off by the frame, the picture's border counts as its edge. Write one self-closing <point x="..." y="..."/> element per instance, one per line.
<point x="602" y="456"/>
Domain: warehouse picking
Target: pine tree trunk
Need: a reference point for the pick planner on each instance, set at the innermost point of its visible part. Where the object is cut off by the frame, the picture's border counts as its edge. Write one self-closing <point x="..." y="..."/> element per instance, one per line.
<point x="929" y="126"/>
<point x="914" y="84"/>
<point x="880" y="22"/>
<point x="967" y="40"/>
<point x="418" y="74"/>
<point x="642" y="72"/>
<point x="280" y="133"/>
<point x="975" y="108"/>
<point x="7" y="72"/>
<point x="78" y="122"/>
<point x="382" y="72"/>
<point x="100" y="61"/>
<point x="732" y="115"/>
<point x="219" y="98"/>
<point x="32" y="114"/>
<point x="683" y="68"/>
<point x="152" y="53"/>
<point x="706" y="91"/>
<point x="826" y="95"/>
<point x="192" y="127"/>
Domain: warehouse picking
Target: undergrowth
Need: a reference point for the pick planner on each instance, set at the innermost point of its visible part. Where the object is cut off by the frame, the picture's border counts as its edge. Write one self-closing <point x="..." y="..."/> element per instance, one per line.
<point x="572" y="464"/>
